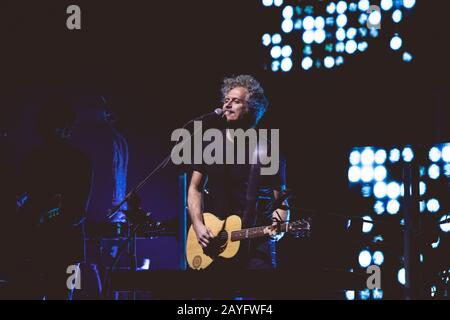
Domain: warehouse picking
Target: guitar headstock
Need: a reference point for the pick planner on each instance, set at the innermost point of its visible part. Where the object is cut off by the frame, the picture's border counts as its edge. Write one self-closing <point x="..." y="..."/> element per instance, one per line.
<point x="300" y="228"/>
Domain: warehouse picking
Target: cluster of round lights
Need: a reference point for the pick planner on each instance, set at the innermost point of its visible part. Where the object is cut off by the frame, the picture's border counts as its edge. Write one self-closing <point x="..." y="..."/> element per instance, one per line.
<point x="335" y="31"/>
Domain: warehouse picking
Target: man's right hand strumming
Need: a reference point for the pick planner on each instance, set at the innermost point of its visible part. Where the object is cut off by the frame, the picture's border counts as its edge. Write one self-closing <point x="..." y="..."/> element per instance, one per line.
<point x="204" y="234"/>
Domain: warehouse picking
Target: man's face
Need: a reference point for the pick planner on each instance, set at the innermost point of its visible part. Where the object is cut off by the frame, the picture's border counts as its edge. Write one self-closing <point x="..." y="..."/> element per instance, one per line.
<point x="235" y="106"/>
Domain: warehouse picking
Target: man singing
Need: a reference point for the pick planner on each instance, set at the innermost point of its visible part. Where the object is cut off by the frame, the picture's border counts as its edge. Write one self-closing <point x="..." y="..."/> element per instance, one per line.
<point x="239" y="189"/>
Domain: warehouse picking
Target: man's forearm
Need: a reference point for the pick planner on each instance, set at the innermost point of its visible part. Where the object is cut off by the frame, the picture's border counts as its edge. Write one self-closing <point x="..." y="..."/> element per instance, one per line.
<point x="195" y="206"/>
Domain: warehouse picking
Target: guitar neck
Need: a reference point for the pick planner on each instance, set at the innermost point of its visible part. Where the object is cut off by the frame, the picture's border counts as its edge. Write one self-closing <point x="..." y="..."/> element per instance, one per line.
<point x="253" y="232"/>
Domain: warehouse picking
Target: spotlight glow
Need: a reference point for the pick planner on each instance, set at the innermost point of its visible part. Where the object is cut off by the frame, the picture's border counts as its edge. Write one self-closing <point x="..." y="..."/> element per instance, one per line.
<point x="341" y="7"/>
<point x="341" y="20"/>
<point x="396" y="43"/>
<point x="407" y="154"/>
<point x="378" y="258"/>
<point x="266" y="39"/>
<point x="435" y="154"/>
<point x="394" y="155"/>
<point x="287" y="25"/>
<point x="375" y="18"/>
<point x="286" y="64"/>
<point x="364" y="5"/>
<point x="288" y="12"/>
<point x="308" y="36"/>
<point x="355" y="158"/>
<point x="446" y="153"/>
<point x="276" y="38"/>
<point x="433" y="205"/>
<point x="364" y="258"/>
<point x="445" y="227"/>
<point x="380" y="173"/>
<point x="367" y="157"/>
<point x="319" y="23"/>
<point x="380" y="156"/>
<point x="422" y="188"/>
<point x="331" y="8"/>
<point x="434" y="171"/>
<point x="386" y="5"/>
<point x="393" y="190"/>
<point x="380" y="190"/>
<point x="367" y="226"/>
<point x="319" y="36"/>
<point x="328" y="62"/>
<point x="286" y="51"/>
<point x="397" y="16"/>
<point x="401" y="276"/>
<point x="307" y="63"/>
<point x="378" y="207"/>
<point x="367" y="173"/>
<point x="308" y="23"/>
<point x="275" y="52"/>
<point x="393" y="206"/>
<point x="409" y="3"/>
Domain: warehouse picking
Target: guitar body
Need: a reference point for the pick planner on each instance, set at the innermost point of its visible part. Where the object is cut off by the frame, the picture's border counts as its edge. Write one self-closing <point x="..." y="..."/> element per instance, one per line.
<point x="197" y="257"/>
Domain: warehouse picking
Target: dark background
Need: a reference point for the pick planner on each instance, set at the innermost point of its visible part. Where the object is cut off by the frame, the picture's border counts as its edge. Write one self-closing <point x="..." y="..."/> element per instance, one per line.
<point x="160" y="63"/>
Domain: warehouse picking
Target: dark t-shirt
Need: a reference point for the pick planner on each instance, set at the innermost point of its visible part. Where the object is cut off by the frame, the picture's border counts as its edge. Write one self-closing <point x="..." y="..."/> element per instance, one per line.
<point x="227" y="186"/>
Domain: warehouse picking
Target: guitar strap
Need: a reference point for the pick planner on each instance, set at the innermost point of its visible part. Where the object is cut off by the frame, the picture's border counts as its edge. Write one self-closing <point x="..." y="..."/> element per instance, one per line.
<point x="249" y="218"/>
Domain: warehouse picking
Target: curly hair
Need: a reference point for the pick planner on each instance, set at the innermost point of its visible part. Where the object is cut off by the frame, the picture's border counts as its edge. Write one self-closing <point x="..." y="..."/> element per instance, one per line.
<point x="256" y="99"/>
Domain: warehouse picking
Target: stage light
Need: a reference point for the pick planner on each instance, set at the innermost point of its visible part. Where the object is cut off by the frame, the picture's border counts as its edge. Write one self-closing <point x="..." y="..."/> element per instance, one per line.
<point x="386" y="5"/>
<point x="367" y="157"/>
<point x="445" y="226"/>
<point x="362" y="46"/>
<point x="375" y="18"/>
<point x="421" y="258"/>
<point x="433" y="205"/>
<point x="407" y="154"/>
<point x="308" y="36"/>
<point x="350" y="295"/>
<point x="408" y="4"/>
<point x="433" y="291"/>
<point x="340" y="34"/>
<point x="331" y="8"/>
<point x="339" y="60"/>
<point x="394" y="155"/>
<point x="341" y="20"/>
<point x="275" y="65"/>
<point x="434" y="155"/>
<point x="436" y="244"/>
<point x="364" y="5"/>
<point x="287" y="25"/>
<point x="407" y="57"/>
<point x="378" y="207"/>
<point x="446" y="153"/>
<point x="277" y="3"/>
<point x="374" y="33"/>
<point x="328" y="62"/>
<point x="380" y="156"/>
<point x="380" y="190"/>
<point x="288" y="12"/>
<point x="434" y="171"/>
<point x="380" y="173"/>
<point x="377" y="294"/>
<point x="447" y="170"/>
<point x="351" y="33"/>
<point x="355" y="157"/>
<point x="393" y="206"/>
<point x="308" y="23"/>
<point x="364" y="294"/>
<point x="275" y="52"/>
<point x="266" y="39"/>
<point x="422" y="188"/>
<point x="367" y="173"/>
<point x="378" y="258"/>
<point x="319" y="23"/>
<point x="307" y="63"/>
<point x="366" y="191"/>
<point x="364" y="258"/>
<point x="286" y="64"/>
<point x="286" y="51"/>
<point x="363" y="20"/>
<point x="367" y="226"/>
<point x="341" y="7"/>
<point x="401" y="276"/>
<point x="396" y="43"/>
<point x="276" y="38"/>
<point x="298" y="24"/>
<point x="319" y="36"/>
<point x="267" y="3"/>
<point x="397" y="16"/>
<point x="422" y="206"/>
<point x="340" y="47"/>
<point x="393" y="190"/>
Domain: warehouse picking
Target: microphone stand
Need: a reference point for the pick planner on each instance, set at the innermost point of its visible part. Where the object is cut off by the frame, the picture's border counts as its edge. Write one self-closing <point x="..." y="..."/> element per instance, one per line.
<point x="136" y="216"/>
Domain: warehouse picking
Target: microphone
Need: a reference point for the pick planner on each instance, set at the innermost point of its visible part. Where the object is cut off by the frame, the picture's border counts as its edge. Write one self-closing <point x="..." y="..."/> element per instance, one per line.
<point x="217" y="112"/>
